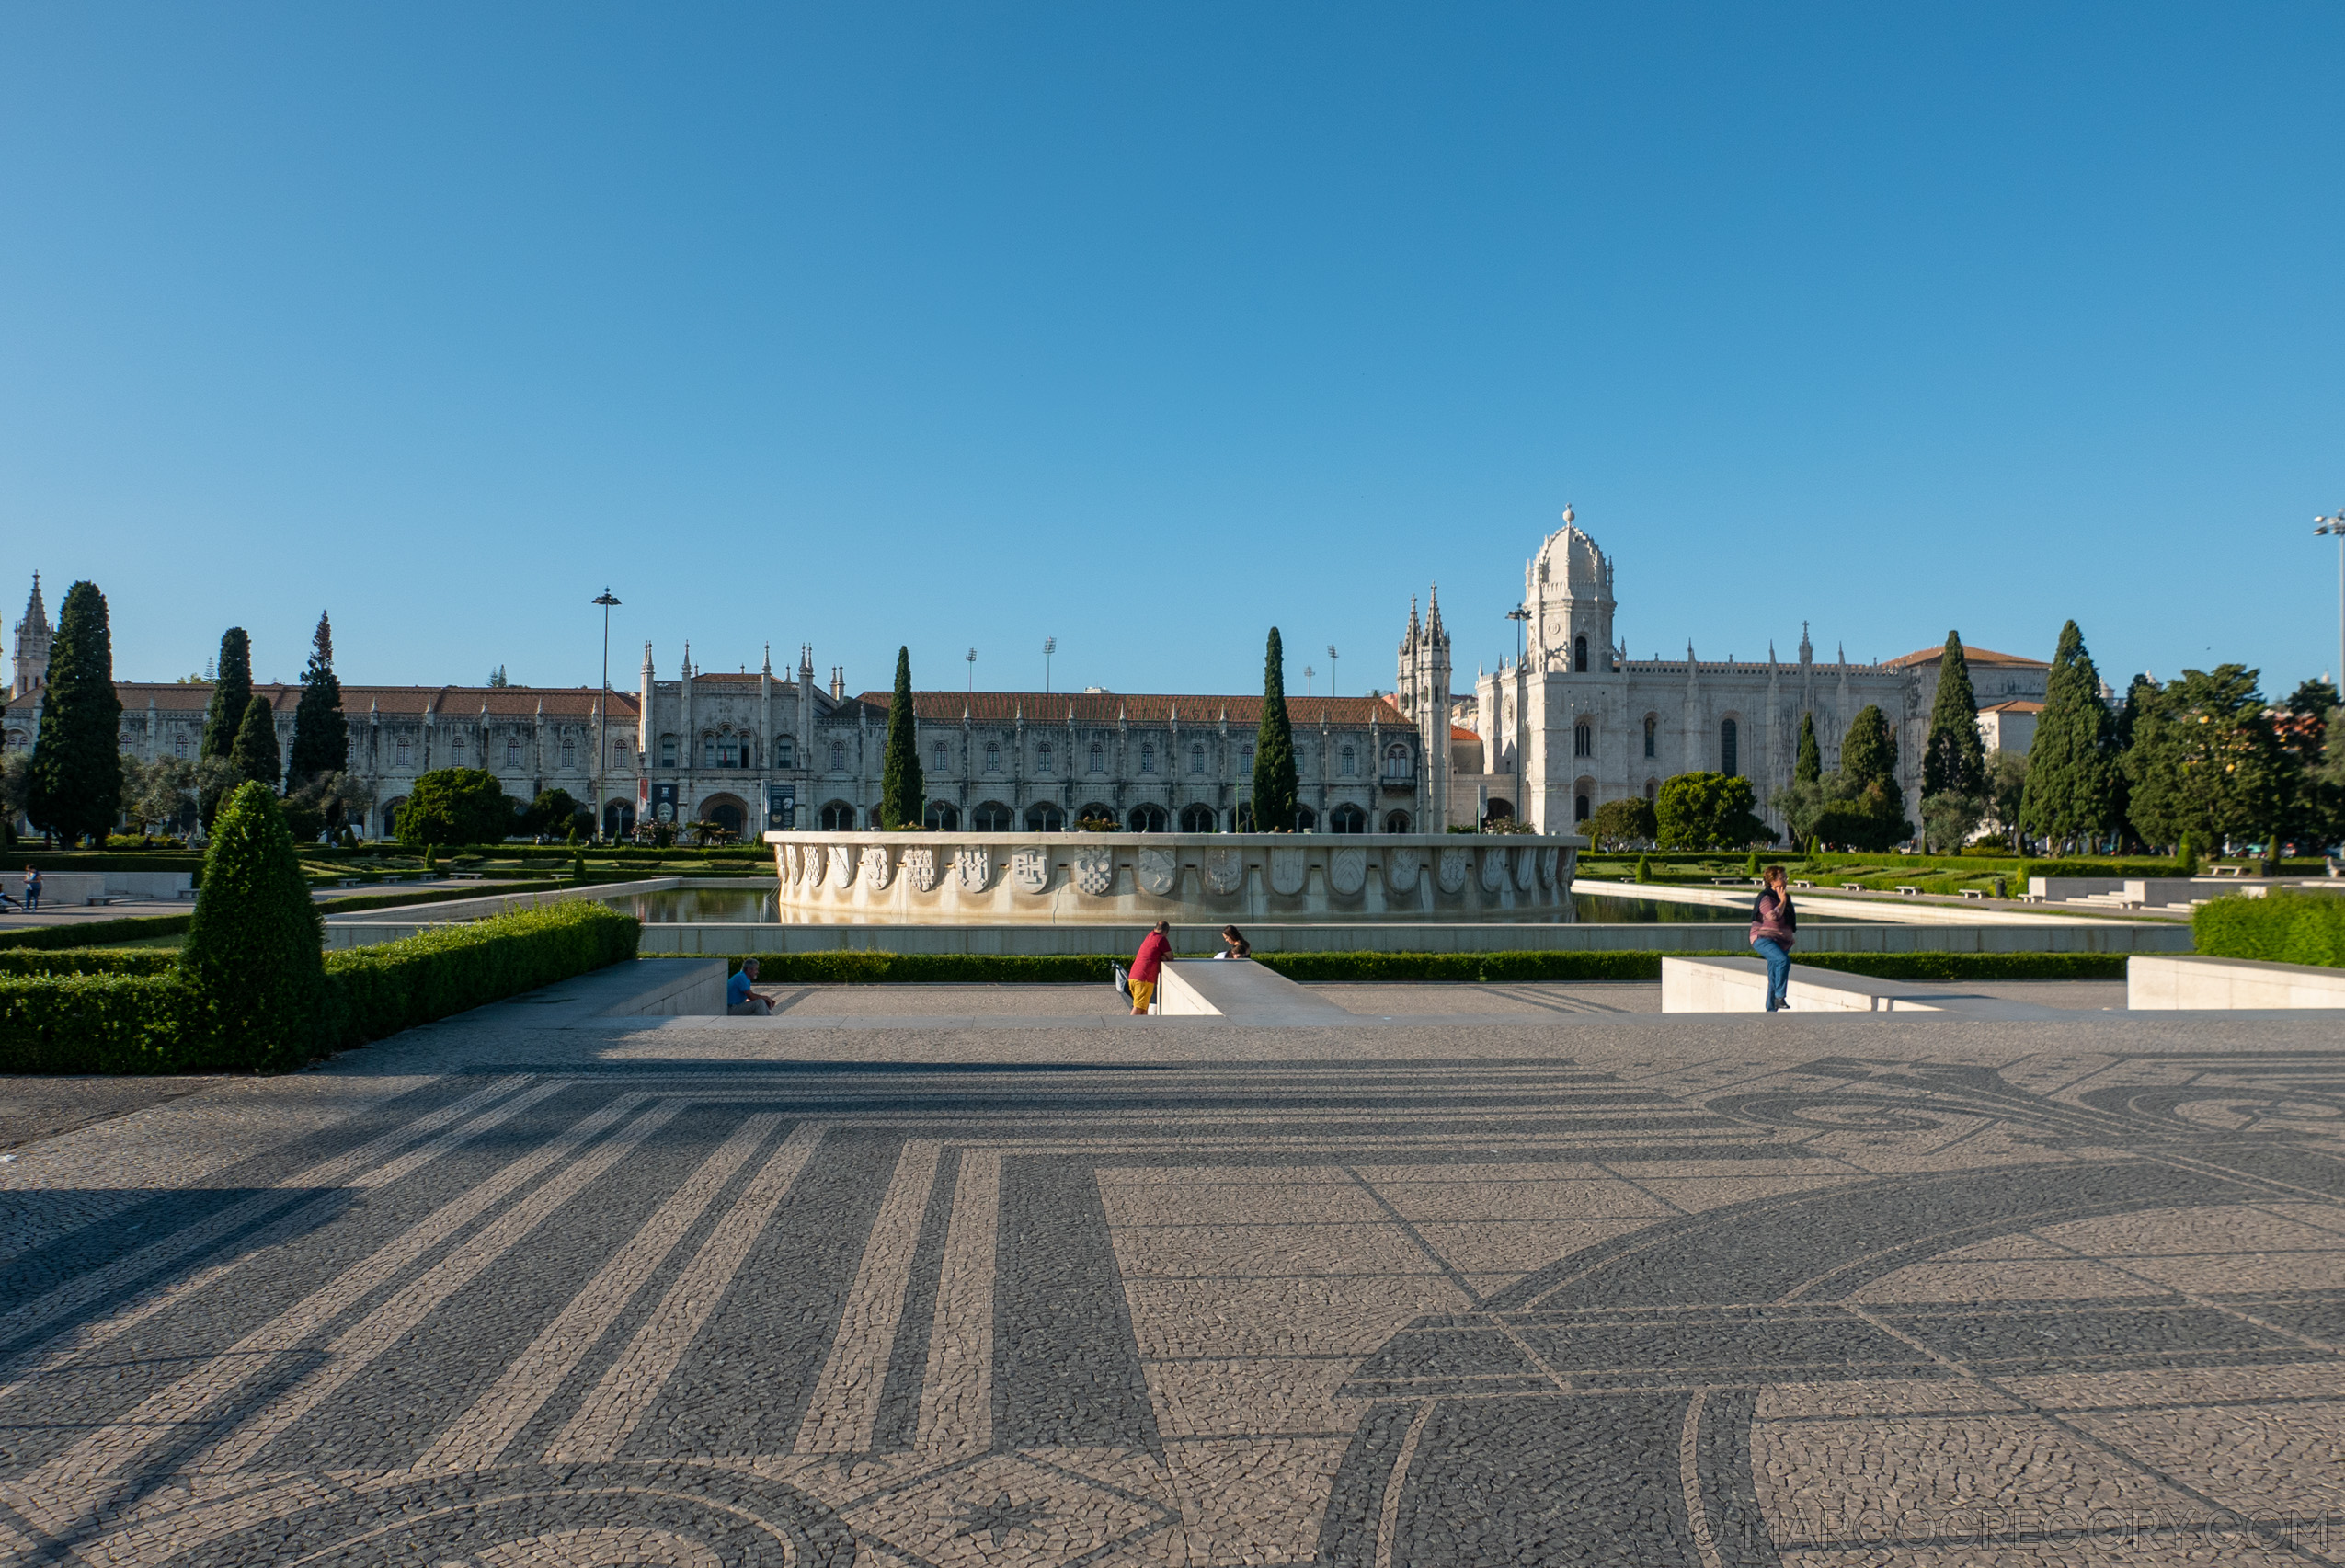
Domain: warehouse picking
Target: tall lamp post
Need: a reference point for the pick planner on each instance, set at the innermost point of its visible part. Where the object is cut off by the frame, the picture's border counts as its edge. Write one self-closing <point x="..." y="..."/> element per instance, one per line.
<point x="1049" y="646"/>
<point x="2335" y="523"/>
<point x="603" y="713"/>
<point x="971" y="656"/>
<point x="1519" y="615"/>
<point x="1331" y="669"/>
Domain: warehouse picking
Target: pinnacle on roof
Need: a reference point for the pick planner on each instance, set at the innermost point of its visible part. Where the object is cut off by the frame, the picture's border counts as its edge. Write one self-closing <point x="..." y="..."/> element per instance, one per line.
<point x="1432" y="611"/>
<point x="36" y="614"/>
<point x="688" y="658"/>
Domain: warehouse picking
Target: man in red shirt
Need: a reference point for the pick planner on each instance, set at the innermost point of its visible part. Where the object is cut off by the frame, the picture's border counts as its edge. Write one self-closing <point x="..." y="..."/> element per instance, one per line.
<point x="1146" y="964"/>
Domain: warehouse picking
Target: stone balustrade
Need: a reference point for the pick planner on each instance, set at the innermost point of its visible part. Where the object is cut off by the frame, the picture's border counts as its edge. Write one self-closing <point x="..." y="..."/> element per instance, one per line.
<point x="1190" y="878"/>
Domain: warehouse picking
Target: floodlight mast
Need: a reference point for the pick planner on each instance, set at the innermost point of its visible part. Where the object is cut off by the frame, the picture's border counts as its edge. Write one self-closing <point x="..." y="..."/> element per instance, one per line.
<point x="2335" y="523"/>
<point x="602" y="714"/>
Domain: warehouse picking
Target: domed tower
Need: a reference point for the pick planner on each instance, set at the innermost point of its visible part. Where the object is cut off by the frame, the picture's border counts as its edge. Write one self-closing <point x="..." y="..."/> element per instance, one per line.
<point x="1567" y="588"/>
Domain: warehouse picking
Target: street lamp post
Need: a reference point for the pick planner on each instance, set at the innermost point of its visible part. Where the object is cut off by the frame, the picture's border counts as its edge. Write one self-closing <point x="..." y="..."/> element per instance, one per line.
<point x="603" y="713"/>
<point x="1520" y="614"/>
<point x="2335" y="523"/>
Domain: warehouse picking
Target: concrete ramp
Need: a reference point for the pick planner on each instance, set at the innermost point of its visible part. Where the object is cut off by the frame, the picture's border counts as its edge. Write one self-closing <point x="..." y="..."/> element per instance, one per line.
<point x="1739" y="985"/>
<point x="1243" y="991"/>
<point x="2177" y="981"/>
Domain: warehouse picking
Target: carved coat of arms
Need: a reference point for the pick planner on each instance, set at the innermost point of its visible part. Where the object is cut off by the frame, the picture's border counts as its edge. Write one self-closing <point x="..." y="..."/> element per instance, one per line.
<point x="1400" y="868"/>
<point x="1286" y="869"/>
<point x="842" y="868"/>
<point x="1494" y="870"/>
<point x="974" y="867"/>
<point x="1526" y="866"/>
<point x="1546" y="868"/>
<point x="1224" y="871"/>
<point x="1347" y="871"/>
<point x="1160" y="871"/>
<point x="1096" y="871"/>
<point x="875" y="867"/>
<point x="920" y="869"/>
<point x="1451" y="869"/>
<point x="1030" y="869"/>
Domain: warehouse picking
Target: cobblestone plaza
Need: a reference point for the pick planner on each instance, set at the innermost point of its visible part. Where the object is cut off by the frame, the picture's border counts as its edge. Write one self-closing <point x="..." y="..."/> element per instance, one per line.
<point x="933" y="1276"/>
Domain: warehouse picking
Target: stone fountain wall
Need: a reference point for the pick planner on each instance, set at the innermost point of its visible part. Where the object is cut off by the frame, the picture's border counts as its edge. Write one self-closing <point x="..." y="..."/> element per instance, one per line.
<point x="1189" y="878"/>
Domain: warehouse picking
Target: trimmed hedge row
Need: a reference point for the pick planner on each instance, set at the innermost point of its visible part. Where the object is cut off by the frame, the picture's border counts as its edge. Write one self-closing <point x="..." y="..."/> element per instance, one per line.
<point x="117" y="1020"/>
<point x="2282" y="927"/>
<point x="91" y="961"/>
<point x="97" y="933"/>
<point x="380" y="990"/>
<point x="883" y="968"/>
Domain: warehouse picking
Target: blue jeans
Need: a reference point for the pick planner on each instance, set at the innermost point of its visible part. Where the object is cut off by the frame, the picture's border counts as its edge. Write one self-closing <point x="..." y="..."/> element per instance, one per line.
<point x="1779" y="970"/>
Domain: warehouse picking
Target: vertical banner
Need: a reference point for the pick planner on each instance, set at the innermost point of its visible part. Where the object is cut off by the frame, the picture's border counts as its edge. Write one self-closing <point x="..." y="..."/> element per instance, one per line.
<point x="781" y="807"/>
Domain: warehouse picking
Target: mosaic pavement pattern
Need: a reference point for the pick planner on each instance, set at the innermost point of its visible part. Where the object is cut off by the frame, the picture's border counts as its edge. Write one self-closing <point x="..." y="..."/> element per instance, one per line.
<point x="1616" y="1306"/>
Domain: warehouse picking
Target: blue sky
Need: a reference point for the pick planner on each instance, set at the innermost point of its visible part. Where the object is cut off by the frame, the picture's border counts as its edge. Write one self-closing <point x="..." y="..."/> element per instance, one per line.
<point x="1147" y="329"/>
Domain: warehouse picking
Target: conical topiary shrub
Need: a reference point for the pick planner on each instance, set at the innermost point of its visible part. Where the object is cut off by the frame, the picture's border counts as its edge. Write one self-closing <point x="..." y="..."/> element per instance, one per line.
<point x="1644" y="868"/>
<point x="1750" y="867"/>
<point x="255" y="957"/>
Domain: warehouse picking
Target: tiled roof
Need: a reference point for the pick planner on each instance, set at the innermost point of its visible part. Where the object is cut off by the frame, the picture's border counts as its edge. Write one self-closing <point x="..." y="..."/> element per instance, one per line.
<point x="2016" y="705"/>
<point x="1137" y="707"/>
<point x="1970" y="654"/>
<point x="447" y="702"/>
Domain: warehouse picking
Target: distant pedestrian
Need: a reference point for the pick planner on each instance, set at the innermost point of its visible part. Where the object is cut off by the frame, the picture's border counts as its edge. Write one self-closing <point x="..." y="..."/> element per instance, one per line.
<point x="1234" y="944"/>
<point x="32" y="891"/>
<point x="1147" y="964"/>
<point x="741" y="1000"/>
<point x="1774" y="932"/>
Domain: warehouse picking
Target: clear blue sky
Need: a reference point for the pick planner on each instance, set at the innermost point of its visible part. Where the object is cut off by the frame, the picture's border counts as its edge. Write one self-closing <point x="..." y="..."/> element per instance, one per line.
<point x="1148" y="327"/>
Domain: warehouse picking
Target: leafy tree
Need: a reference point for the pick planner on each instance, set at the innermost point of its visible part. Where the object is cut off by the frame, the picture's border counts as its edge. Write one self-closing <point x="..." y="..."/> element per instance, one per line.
<point x="2302" y="726"/>
<point x="77" y="752"/>
<point x="255" y="750"/>
<point x="1798" y="802"/>
<point x="1867" y="752"/>
<point x="224" y="715"/>
<point x="1954" y="757"/>
<point x="2007" y="784"/>
<point x="455" y="806"/>
<point x="255" y="952"/>
<point x="16" y="788"/>
<point x="1708" y="811"/>
<point x="1947" y="819"/>
<point x="554" y="811"/>
<point x="154" y="793"/>
<point x="2205" y="762"/>
<point x="1274" y="789"/>
<point x="1864" y="807"/>
<point x="2141" y="693"/>
<point x="902" y="793"/>
<point x="1619" y="824"/>
<point x="2072" y="776"/>
<point x="321" y="733"/>
<point x="326" y="800"/>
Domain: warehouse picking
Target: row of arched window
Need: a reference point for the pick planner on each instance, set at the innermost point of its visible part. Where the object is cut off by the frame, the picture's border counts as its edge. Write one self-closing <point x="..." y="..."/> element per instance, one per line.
<point x="1347" y="758"/>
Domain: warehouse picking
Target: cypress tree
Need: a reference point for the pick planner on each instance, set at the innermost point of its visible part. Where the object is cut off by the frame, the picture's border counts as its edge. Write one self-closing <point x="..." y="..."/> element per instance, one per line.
<point x="1809" y="769"/>
<point x="76" y="782"/>
<point x="1868" y="752"/>
<point x="224" y="715"/>
<point x="903" y="794"/>
<point x="1274" y="789"/>
<point x="255" y="955"/>
<point x="321" y="735"/>
<point x="1954" y="757"/>
<point x="256" y="753"/>
<point x="1644" y="868"/>
<point x="2071" y="791"/>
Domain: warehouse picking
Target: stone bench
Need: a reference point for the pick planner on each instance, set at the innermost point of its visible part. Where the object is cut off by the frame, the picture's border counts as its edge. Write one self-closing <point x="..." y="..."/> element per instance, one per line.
<point x="1972" y="892"/>
<point x="2195" y="982"/>
<point x="1243" y="991"/>
<point x="1739" y="985"/>
<point x="1909" y="892"/>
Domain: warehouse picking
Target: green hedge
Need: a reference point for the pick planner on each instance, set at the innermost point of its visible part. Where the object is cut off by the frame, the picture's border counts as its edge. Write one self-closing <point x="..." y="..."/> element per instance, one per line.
<point x="90" y="961"/>
<point x="120" y="1020"/>
<point x="880" y="969"/>
<point x="97" y="933"/>
<point x="380" y="990"/>
<point x="2279" y="928"/>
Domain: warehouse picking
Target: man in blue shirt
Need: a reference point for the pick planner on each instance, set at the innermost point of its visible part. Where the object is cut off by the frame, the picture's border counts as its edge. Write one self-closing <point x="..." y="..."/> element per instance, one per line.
<point x="740" y="1001"/>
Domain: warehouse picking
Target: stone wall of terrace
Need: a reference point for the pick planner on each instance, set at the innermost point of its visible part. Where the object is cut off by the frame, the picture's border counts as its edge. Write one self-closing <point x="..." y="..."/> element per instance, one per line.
<point x="1188" y="878"/>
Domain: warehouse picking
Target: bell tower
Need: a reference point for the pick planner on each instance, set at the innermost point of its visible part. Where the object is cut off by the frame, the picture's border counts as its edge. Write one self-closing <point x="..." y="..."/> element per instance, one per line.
<point x="1567" y="588"/>
<point x="33" y="637"/>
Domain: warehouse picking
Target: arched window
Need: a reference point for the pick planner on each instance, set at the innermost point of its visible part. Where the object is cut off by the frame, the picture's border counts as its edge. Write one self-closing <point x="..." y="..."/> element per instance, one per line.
<point x="1197" y="819"/>
<point x="1148" y="759"/>
<point x="1347" y="819"/>
<point x="837" y="817"/>
<point x="1579" y="809"/>
<point x="1351" y="766"/>
<point x="785" y="752"/>
<point x="1245" y="816"/>
<point x="1396" y="759"/>
<point x="992" y="817"/>
<point x="406" y="753"/>
<point x="1149" y="819"/>
<point x="1728" y="764"/>
<point x="667" y="751"/>
<point x="178" y="747"/>
<point x="1653" y="791"/>
<point x="569" y="751"/>
<point x="942" y="753"/>
<point x="619" y="753"/>
<point x="1499" y="811"/>
<point x="1041" y="757"/>
<point x="1196" y="765"/>
<point x="708" y="750"/>
<point x="943" y="816"/>
<point x="1044" y="817"/>
<point x="1103" y="816"/>
<point x="1580" y="656"/>
<point x="456" y="748"/>
<point x="838" y="756"/>
<point x="1306" y="820"/>
<point x="1098" y="757"/>
<point x="1584" y="739"/>
<point x="512" y="751"/>
<point x="728" y="750"/>
<point x="1651" y="725"/>
<point x="1396" y="821"/>
<point x="992" y="758"/>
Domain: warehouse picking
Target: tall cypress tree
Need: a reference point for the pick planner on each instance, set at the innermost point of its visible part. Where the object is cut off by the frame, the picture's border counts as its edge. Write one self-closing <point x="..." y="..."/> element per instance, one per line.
<point x="1809" y="769"/>
<point x="255" y="951"/>
<point x="77" y="785"/>
<point x="2072" y="763"/>
<point x="321" y="735"/>
<point x="255" y="754"/>
<point x="1275" y="790"/>
<point x="230" y="693"/>
<point x="1868" y="752"/>
<point x="903" y="794"/>
<point x="1954" y="757"/>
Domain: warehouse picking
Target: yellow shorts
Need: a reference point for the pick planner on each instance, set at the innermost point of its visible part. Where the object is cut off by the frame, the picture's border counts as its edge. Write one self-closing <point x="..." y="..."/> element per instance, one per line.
<point x="1143" y="993"/>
